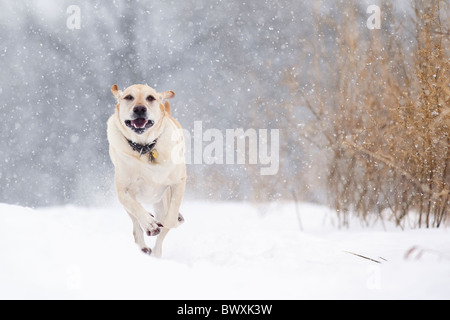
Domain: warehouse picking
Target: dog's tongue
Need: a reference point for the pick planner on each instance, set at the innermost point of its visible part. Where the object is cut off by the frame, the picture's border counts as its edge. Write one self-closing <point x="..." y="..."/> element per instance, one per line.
<point x="139" y="123"/>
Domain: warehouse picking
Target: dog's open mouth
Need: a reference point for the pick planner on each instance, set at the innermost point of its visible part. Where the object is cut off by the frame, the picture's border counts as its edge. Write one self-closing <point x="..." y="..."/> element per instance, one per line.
<point x="139" y="125"/>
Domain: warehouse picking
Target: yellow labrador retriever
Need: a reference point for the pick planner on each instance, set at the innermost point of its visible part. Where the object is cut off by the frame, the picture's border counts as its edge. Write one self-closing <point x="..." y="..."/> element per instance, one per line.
<point x="146" y="146"/>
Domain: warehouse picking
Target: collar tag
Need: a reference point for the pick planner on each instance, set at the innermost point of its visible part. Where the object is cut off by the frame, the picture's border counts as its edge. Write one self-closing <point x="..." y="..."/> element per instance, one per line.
<point x="153" y="155"/>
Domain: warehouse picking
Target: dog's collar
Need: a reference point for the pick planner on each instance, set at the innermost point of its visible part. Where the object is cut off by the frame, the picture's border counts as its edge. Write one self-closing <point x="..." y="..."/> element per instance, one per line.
<point x="145" y="148"/>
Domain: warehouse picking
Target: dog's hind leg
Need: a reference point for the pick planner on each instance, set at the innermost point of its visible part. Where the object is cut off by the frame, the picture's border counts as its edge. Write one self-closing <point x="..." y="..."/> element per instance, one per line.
<point x="161" y="206"/>
<point x="161" y="212"/>
<point x="161" y="209"/>
<point x="157" y="250"/>
<point x="172" y="201"/>
<point x="138" y="234"/>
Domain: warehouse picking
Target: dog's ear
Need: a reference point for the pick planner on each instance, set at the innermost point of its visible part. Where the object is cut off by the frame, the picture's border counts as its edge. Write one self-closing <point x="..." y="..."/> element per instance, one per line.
<point x="167" y="94"/>
<point x="116" y="92"/>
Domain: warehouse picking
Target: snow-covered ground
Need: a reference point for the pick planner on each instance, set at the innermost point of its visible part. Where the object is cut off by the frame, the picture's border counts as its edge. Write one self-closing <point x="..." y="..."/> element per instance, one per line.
<point x="223" y="251"/>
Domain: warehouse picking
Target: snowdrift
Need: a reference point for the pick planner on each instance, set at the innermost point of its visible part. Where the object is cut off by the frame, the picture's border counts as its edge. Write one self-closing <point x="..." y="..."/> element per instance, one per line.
<point x="223" y="251"/>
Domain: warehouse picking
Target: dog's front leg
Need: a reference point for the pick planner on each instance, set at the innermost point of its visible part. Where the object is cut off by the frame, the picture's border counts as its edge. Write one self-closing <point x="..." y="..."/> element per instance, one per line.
<point x="150" y="225"/>
<point x="157" y="250"/>
<point x="171" y="218"/>
<point x="138" y="235"/>
<point x="162" y="209"/>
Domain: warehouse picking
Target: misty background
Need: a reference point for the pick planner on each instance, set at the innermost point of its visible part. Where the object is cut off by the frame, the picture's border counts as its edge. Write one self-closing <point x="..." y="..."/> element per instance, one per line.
<point x="226" y="61"/>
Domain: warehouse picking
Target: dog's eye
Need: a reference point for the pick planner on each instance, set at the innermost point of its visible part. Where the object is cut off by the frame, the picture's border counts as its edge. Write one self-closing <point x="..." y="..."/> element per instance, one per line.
<point x="129" y="97"/>
<point x="150" y="98"/>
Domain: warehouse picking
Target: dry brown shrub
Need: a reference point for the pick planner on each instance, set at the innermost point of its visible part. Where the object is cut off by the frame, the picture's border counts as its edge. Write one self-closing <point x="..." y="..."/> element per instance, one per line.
<point x="381" y="104"/>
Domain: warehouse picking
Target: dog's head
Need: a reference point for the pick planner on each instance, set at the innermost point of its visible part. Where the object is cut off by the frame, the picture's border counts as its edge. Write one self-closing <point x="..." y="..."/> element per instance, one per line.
<point x="140" y="107"/>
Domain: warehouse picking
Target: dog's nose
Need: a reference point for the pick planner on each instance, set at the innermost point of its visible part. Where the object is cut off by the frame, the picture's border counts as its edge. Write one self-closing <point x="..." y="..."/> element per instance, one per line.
<point x="139" y="110"/>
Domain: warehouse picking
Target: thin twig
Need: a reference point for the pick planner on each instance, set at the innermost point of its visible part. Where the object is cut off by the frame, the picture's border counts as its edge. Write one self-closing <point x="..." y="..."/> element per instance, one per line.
<point x="364" y="257"/>
<point x="300" y="225"/>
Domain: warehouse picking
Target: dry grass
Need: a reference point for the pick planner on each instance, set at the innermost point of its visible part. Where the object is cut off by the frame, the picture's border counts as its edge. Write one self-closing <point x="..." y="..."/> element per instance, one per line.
<point x="381" y="102"/>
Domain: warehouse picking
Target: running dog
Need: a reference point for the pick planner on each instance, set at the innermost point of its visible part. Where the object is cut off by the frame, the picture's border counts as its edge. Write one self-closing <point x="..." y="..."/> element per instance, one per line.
<point x="146" y="146"/>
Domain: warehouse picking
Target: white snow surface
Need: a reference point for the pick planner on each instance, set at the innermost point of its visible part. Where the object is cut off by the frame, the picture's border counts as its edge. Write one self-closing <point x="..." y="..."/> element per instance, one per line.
<point x="222" y="251"/>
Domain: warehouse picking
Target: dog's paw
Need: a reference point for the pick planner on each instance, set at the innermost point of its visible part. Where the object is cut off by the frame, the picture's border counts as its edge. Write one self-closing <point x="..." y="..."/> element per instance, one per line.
<point x="180" y="218"/>
<point x="147" y="251"/>
<point x="151" y="226"/>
